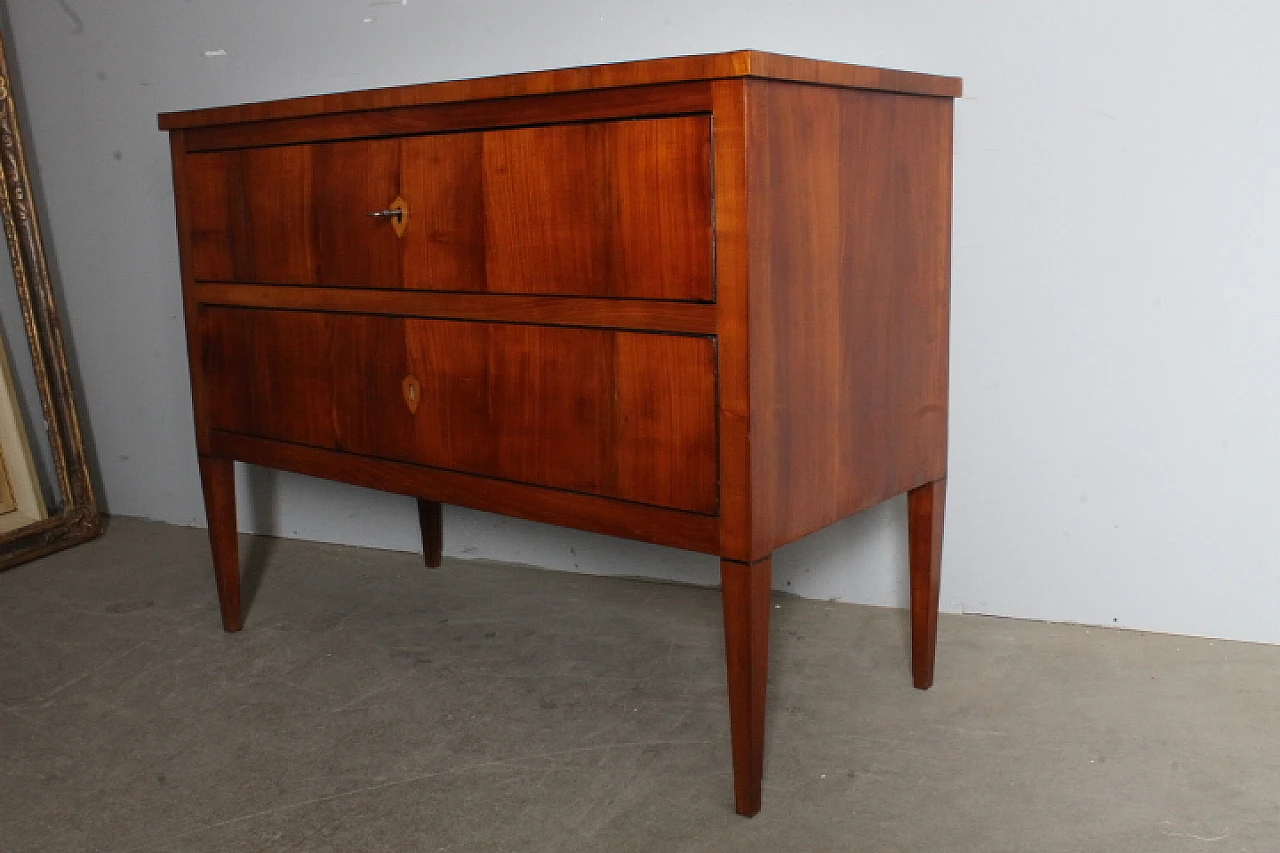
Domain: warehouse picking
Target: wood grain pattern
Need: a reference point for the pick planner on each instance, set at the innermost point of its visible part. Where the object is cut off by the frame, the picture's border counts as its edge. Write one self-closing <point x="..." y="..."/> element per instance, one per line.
<point x="716" y="66"/>
<point x="659" y="223"/>
<point x="442" y="179"/>
<point x="850" y="253"/>
<point x="275" y="216"/>
<point x="926" y="506"/>
<point x="738" y="537"/>
<point x="745" y="588"/>
<point x="636" y="102"/>
<point x="218" y="480"/>
<point x="212" y="233"/>
<point x="673" y="528"/>
<point x="350" y="180"/>
<point x="618" y="208"/>
<point x="664" y="389"/>
<point x="295" y="214"/>
<point x="677" y="317"/>
<point x="183" y="201"/>
<point x="577" y="209"/>
<point x="545" y="200"/>
<point x="619" y="414"/>
<point x="431" y="521"/>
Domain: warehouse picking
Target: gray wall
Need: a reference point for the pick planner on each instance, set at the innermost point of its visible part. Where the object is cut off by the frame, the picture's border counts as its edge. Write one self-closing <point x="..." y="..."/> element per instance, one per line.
<point x="1116" y="405"/>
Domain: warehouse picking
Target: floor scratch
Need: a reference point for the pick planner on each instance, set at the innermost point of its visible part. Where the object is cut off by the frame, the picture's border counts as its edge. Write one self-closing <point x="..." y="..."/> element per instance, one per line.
<point x="359" y="700"/>
<point x="21" y="716"/>
<point x="46" y="699"/>
<point x="1170" y="834"/>
<point x="465" y="768"/>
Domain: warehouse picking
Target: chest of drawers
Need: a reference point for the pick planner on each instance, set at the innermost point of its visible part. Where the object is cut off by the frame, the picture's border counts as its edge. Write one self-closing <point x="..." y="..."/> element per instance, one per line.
<point x="701" y="302"/>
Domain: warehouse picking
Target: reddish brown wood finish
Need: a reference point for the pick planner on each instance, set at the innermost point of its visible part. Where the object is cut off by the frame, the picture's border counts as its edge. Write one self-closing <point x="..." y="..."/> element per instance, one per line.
<point x="616" y="208"/>
<point x="599" y="105"/>
<point x="619" y="414"/>
<point x="218" y="479"/>
<point x="715" y="66"/>
<point x="849" y="278"/>
<point x="745" y="588"/>
<point x="644" y="315"/>
<point x="925" y="508"/>
<point x="431" y="520"/>
<point x="608" y="208"/>
<point x="190" y="303"/>
<point x="442" y="181"/>
<point x="674" y="528"/>
<point x="296" y="214"/>
<point x="738" y="533"/>
<point x="700" y="302"/>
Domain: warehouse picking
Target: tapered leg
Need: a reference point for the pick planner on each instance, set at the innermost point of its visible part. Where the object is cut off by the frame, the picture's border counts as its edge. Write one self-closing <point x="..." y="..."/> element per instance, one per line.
<point x="925" y="507"/>
<point x="431" y="519"/>
<point x="217" y="476"/>
<point x="745" y="587"/>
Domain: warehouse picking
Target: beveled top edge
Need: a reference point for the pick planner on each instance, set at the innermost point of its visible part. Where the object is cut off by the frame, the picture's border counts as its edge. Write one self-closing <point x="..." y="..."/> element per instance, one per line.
<point x="711" y="66"/>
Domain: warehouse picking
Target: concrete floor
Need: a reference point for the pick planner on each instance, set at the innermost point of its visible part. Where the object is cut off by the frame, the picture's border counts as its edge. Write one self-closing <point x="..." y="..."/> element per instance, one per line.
<point x="372" y="705"/>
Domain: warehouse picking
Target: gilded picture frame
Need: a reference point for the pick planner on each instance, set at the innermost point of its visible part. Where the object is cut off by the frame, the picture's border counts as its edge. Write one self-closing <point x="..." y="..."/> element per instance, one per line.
<point x="75" y="516"/>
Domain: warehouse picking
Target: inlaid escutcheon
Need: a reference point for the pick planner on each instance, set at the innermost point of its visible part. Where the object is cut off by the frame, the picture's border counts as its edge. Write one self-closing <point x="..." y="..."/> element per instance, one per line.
<point x="412" y="389"/>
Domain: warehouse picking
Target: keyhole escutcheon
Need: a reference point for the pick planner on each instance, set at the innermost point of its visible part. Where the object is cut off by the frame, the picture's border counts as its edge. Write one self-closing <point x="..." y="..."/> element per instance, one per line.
<point x="412" y="392"/>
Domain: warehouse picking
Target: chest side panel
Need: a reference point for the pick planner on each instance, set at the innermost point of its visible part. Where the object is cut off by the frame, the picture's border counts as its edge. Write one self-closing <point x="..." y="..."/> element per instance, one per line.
<point x="850" y="220"/>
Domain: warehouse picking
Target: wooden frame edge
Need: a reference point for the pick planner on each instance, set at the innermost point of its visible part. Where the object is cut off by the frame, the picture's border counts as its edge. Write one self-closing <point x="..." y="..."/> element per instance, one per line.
<point x="78" y="518"/>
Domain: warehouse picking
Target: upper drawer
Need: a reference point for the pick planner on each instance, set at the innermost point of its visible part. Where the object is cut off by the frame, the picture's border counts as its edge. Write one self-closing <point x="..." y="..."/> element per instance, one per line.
<point x="606" y="208"/>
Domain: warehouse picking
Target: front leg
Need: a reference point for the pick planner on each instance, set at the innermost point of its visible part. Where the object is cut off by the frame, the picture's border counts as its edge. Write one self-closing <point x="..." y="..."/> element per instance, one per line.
<point x="745" y="588"/>
<point x="218" y="478"/>
<point x="925" y="507"/>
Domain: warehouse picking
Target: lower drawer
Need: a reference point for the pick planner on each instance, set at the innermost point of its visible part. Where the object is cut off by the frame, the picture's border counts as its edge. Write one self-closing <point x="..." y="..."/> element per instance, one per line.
<point x="629" y="415"/>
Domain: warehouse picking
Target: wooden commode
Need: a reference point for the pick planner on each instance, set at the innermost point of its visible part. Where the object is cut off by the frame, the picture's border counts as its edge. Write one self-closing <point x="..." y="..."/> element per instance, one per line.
<point x="701" y="302"/>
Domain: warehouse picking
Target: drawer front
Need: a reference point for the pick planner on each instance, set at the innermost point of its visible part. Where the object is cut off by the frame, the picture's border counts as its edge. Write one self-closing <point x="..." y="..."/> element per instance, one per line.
<point x="606" y="208"/>
<point x="295" y="214"/>
<point x="627" y="415"/>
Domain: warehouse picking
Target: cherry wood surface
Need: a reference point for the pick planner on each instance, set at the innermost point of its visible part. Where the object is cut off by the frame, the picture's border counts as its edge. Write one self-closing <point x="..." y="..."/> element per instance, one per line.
<point x="445" y="246"/>
<point x="183" y="203"/>
<point x="745" y="588"/>
<point x="621" y="414"/>
<point x="638" y="314"/>
<point x="925" y="508"/>
<point x="715" y="66"/>
<point x="218" y="479"/>
<point x="615" y="208"/>
<point x="296" y="214"/>
<point x="849" y="274"/>
<point x="636" y="102"/>
<point x="674" y="528"/>
<point x="601" y="208"/>
<point x="738" y="531"/>
<point x="699" y="302"/>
